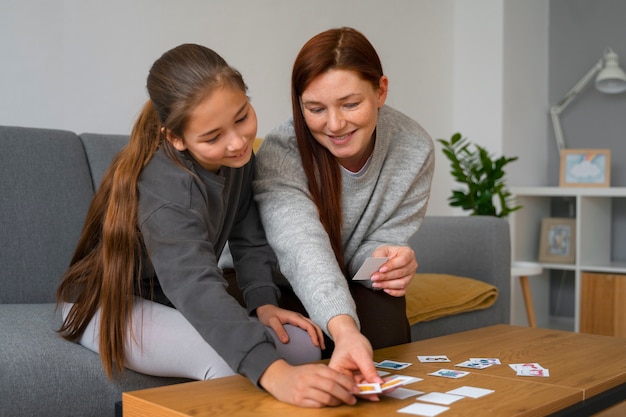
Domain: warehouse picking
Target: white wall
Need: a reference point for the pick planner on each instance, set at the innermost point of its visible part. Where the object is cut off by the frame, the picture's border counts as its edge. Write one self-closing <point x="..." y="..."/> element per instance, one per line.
<point x="525" y="91"/>
<point x="81" y="64"/>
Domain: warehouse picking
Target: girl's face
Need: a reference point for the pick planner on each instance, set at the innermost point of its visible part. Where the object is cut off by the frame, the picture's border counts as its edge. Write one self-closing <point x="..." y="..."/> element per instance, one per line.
<point x="341" y="111"/>
<point x="220" y="130"/>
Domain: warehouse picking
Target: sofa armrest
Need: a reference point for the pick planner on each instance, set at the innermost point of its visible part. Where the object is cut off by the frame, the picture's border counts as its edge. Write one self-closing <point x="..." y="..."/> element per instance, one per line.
<point x="477" y="247"/>
<point x="473" y="246"/>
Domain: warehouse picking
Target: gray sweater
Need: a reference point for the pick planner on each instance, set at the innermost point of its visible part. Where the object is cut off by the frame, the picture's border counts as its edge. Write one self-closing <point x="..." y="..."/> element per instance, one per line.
<point x="185" y="221"/>
<point x="382" y="206"/>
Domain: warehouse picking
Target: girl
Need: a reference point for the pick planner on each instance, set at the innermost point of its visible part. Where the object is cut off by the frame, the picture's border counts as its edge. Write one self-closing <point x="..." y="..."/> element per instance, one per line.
<point x="144" y="289"/>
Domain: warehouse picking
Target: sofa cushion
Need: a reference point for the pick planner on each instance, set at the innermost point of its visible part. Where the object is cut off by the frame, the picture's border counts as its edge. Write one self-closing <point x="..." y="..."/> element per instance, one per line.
<point x="431" y="296"/>
<point x="100" y="150"/>
<point x="46" y="188"/>
<point x="37" y="363"/>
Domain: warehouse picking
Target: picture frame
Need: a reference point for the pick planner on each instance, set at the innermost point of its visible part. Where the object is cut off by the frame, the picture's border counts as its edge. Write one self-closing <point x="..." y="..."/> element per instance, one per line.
<point x="585" y="168"/>
<point x="558" y="240"/>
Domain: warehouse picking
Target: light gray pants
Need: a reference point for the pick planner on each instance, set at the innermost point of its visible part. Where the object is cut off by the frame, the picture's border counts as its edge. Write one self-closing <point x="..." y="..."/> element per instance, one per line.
<point x="166" y="344"/>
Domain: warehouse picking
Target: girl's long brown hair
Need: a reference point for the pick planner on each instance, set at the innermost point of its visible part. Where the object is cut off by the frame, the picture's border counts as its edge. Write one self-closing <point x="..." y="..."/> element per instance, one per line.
<point x="107" y="260"/>
<point x="346" y="49"/>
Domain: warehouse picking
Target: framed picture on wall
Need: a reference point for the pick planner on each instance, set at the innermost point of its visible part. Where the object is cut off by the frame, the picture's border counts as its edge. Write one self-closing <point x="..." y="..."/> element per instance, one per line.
<point x="558" y="240"/>
<point x="585" y="168"/>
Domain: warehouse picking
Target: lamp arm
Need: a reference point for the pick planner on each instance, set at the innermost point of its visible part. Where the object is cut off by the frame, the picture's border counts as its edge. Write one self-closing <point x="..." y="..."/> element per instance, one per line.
<point x="556" y="109"/>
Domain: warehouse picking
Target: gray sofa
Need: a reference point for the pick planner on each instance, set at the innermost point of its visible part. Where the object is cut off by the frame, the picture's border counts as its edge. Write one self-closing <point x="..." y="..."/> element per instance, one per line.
<point x="47" y="179"/>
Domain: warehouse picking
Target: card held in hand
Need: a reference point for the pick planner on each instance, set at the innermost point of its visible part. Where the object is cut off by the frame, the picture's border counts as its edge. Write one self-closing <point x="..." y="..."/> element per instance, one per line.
<point x="370" y="266"/>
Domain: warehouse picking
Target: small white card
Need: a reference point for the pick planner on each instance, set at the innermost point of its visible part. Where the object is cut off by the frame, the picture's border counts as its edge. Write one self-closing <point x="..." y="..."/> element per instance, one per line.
<point x="530" y="369"/>
<point x="402" y="393"/>
<point x="440" y="398"/>
<point x="433" y="358"/>
<point x="369" y="388"/>
<point x="492" y="361"/>
<point x="471" y="392"/>
<point x="408" y="379"/>
<point x="370" y="266"/>
<point x="392" y="365"/>
<point x="449" y="373"/>
<point x="426" y="410"/>
<point x="473" y="364"/>
<point x="389" y="385"/>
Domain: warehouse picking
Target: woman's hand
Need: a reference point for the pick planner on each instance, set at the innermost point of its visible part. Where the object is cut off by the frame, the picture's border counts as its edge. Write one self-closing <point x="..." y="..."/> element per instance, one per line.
<point x="395" y="275"/>
<point x="274" y="317"/>
<point x="311" y="385"/>
<point x="353" y="354"/>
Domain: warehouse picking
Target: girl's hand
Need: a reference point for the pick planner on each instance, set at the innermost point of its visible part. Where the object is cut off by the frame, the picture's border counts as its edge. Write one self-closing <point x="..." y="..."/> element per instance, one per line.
<point x="311" y="385"/>
<point x="395" y="275"/>
<point x="274" y="317"/>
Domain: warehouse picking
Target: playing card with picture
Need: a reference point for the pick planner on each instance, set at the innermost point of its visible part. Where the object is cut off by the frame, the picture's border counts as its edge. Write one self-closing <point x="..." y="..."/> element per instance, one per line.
<point x="530" y="369"/>
<point x="369" y="388"/>
<point x="433" y="358"/>
<point x="449" y="373"/>
<point x="473" y="364"/>
<point x="392" y="365"/>
<point x="391" y="384"/>
<point x="388" y="385"/>
<point x="492" y="361"/>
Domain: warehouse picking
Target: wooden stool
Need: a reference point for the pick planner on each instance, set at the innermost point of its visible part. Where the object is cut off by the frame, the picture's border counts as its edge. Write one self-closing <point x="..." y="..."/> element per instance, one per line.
<point x="523" y="270"/>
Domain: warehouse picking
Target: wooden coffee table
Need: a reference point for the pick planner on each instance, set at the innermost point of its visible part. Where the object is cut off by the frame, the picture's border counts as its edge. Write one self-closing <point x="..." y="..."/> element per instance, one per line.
<point x="587" y="374"/>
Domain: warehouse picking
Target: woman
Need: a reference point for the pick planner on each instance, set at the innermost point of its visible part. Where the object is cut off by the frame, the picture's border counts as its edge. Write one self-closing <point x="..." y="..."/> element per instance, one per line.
<point x="344" y="179"/>
<point x="144" y="289"/>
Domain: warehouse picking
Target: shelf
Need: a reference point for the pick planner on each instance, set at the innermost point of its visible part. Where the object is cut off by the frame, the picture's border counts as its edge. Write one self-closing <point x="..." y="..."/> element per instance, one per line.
<point x="613" y="268"/>
<point x="592" y="208"/>
<point x="569" y="191"/>
<point x="560" y="267"/>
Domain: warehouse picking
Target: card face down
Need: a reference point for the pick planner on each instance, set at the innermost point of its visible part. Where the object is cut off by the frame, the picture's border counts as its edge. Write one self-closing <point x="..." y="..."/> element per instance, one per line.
<point x="370" y="266"/>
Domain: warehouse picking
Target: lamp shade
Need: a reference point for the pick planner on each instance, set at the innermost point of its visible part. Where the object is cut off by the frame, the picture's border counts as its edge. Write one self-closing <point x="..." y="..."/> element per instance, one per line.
<point x="611" y="79"/>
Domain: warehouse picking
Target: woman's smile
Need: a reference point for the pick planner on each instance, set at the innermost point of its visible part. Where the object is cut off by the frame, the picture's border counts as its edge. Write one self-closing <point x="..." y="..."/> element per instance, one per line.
<point x="341" y="140"/>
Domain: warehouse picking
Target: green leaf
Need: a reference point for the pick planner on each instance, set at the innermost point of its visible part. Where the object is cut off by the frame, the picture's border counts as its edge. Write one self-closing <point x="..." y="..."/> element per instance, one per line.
<point x="482" y="176"/>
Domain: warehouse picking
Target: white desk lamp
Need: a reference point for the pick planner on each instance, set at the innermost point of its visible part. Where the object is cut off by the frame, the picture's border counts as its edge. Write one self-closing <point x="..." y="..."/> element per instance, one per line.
<point x="610" y="80"/>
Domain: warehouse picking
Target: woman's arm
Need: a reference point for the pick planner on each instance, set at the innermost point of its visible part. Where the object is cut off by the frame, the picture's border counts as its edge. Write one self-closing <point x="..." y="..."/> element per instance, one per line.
<point x="296" y="234"/>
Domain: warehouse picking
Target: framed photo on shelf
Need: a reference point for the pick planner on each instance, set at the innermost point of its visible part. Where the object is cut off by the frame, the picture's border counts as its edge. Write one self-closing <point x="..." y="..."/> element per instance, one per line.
<point x="558" y="240"/>
<point x="585" y="168"/>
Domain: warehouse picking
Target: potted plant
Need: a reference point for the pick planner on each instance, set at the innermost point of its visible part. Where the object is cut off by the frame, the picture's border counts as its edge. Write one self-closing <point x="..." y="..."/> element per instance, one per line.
<point x="484" y="191"/>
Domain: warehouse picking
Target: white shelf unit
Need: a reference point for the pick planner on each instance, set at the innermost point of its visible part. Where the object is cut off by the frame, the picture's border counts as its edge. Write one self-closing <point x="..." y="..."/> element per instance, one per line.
<point x="592" y="208"/>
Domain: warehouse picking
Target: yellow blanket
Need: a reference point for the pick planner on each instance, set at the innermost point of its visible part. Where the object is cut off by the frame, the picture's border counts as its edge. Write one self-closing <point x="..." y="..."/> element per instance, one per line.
<point x="431" y="296"/>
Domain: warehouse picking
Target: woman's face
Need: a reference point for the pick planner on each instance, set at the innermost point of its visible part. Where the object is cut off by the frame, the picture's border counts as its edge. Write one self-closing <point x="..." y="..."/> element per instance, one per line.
<point x="341" y="111"/>
<point x="220" y="130"/>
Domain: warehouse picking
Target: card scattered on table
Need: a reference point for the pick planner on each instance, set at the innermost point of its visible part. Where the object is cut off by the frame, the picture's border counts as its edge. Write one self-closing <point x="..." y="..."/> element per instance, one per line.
<point x="471" y="392"/>
<point x="393" y="365"/>
<point x="433" y="358"/>
<point x="421" y="409"/>
<point x="402" y="393"/>
<point x="440" y="398"/>
<point x="530" y="369"/>
<point x="473" y="364"/>
<point x="426" y="410"/>
<point x="370" y="266"/>
<point x="449" y="373"/>
<point x="492" y="361"/>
